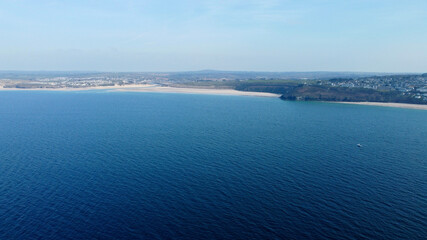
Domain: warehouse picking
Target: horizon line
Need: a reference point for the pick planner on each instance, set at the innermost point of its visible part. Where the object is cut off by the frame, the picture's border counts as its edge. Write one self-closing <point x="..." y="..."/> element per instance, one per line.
<point x="214" y="70"/>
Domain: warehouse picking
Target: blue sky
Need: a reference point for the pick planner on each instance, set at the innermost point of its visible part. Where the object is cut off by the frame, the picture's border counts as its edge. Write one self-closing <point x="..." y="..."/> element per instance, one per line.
<point x="254" y="35"/>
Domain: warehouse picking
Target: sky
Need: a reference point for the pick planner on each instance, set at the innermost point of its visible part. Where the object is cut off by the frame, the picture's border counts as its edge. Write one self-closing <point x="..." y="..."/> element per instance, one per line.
<point x="186" y="35"/>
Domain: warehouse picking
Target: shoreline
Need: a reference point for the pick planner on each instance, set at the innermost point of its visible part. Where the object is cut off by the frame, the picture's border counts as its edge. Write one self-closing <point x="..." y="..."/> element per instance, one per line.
<point x="209" y="91"/>
<point x="154" y="88"/>
<point x="78" y="88"/>
<point x="388" y="104"/>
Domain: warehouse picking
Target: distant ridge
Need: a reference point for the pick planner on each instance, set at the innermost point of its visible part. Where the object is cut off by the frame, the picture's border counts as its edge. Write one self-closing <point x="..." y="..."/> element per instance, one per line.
<point x="205" y="74"/>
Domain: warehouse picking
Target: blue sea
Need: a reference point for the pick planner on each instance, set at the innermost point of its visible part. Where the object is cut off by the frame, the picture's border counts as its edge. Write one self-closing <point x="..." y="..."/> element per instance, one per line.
<point x="115" y="165"/>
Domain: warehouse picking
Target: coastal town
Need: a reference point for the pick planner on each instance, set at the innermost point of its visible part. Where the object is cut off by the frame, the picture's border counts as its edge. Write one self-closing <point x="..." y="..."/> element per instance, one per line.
<point x="75" y="80"/>
<point x="415" y="85"/>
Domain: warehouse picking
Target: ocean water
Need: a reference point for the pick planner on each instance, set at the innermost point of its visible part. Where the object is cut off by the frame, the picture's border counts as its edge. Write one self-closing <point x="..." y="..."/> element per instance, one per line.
<point x="105" y="165"/>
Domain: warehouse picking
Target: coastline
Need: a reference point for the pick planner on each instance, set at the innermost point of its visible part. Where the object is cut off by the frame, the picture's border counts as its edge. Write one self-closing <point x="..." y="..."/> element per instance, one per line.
<point x="78" y="88"/>
<point x="154" y="88"/>
<point x="209" y="91"/>
<point x="383" y="104"/>
<point x="198" y="91"/>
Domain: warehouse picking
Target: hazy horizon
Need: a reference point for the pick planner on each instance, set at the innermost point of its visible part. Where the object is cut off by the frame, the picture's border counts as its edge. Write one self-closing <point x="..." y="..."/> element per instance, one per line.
<point x="169" y="36"/>
<point x="196" y="71"/>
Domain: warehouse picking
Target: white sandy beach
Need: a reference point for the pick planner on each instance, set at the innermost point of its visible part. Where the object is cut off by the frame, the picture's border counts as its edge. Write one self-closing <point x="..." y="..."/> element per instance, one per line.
<point x="398" y="105"/>
<point x="197" y="91"/>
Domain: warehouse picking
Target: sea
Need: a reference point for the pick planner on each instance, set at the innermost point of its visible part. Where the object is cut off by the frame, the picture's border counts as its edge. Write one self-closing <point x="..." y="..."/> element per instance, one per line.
<point x="128" y="165"/>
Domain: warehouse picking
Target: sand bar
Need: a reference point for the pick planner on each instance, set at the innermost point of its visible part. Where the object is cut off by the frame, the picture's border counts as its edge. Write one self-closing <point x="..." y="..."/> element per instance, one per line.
<point x="398" y="105"/>
<point x="198" y="91"/>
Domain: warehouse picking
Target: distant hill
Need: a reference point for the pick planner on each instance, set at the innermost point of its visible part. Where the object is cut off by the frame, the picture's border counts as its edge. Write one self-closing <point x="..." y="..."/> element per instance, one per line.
<point x="207" y="75"/>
